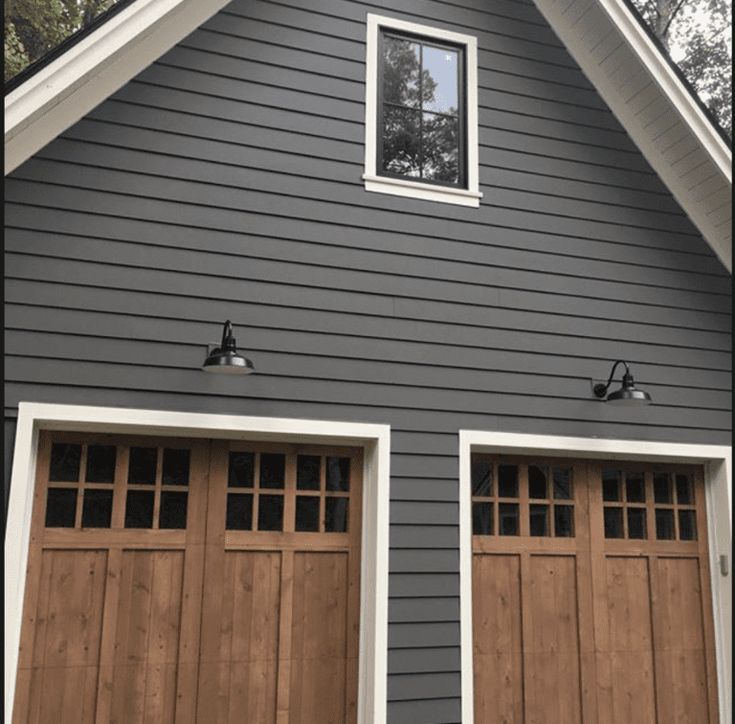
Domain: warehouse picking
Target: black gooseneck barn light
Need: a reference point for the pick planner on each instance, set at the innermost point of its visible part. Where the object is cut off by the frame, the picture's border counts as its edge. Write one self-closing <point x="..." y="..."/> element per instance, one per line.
<point x="225" y="359"/>
<point x="628" y="394"/>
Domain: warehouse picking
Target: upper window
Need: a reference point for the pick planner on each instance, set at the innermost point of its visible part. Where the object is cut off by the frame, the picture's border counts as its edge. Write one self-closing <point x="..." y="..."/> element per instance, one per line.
<point x="422" y="118"/>
<point x="421" y="112"/>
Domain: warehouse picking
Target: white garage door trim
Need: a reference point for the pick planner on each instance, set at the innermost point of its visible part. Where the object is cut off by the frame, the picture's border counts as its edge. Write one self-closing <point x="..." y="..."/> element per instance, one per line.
<point x="717" y="461"/>
<point x="375" y="439"/>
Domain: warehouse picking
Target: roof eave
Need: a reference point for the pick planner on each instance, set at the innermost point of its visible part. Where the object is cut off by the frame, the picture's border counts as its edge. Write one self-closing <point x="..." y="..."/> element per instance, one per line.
<point x="64" y="91"/>
<point x="656" y="109"/>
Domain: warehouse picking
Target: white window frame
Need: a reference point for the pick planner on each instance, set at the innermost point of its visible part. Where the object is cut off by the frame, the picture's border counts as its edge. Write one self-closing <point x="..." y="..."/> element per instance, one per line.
<point x="374" y="439"/>
<point x="717" y="461"/>
<point x="403" y="187"/>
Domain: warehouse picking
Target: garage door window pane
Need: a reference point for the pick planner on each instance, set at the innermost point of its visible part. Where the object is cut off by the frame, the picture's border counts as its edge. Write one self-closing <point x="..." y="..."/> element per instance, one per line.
<point x="173" y="510"/>
<point x="97" y="509"/>
<point x="665" y="524"/>
<point x="272" y="472"/>
<point x="61" y="508"/>
<point x="239" y="512"/>
<point x="139" y="509"/>
<point x="175" y="467"/>
<point x="270" y="512"/>
<point x="307" y="513"/>
<point x="65" y="462"/>
<point x="337" y="515"/>
<point x="509" y="519"/>
<point x="142" y="465"/>
<point x="613" y="523"/>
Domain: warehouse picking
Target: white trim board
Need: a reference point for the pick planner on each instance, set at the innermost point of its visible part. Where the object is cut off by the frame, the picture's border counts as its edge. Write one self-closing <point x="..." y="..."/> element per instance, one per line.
<point x="404" y="187"/>
<point x="654" y="107"/>
<point x="68" y="88"/>
<point x="718" y="481"/>
<point x="374" y="439"/>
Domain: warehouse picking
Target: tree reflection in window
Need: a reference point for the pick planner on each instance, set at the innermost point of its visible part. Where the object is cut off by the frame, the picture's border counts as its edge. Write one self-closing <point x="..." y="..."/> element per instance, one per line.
<point x="421" y="118"/>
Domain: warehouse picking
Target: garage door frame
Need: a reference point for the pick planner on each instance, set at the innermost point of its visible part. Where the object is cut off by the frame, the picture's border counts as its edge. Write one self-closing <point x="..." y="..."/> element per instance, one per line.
<point x="717" y="461"/>
<point x="374" y="439"/>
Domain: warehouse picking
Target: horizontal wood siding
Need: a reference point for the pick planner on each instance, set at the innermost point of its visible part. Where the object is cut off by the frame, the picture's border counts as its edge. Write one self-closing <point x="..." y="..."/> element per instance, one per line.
<point x="225" y="182"/>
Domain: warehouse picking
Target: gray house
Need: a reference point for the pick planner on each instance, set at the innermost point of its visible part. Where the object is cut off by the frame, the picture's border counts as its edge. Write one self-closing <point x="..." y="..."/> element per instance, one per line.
<point x="477" y="255"/>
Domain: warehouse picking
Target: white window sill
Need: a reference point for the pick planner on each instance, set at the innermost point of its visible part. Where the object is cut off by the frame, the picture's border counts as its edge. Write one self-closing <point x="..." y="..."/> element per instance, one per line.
<point x="427" y="192"/>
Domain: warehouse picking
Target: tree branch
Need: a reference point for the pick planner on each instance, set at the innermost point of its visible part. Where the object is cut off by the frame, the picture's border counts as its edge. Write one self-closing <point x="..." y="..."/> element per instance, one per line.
<point x="672" y="16"/>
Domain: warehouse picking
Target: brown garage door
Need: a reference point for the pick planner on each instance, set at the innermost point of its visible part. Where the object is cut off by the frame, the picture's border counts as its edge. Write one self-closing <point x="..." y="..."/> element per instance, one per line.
<point x="591" y="594"/>
<point x="182" y="580"/>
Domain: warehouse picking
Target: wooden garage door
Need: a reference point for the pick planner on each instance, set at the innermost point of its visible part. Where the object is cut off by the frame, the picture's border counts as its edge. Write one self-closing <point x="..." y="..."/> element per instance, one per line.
<point x="591" y="594"/>
<point x="187" y="581"/>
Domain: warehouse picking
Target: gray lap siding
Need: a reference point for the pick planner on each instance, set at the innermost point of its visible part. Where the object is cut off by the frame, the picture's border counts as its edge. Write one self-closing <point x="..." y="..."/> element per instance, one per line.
<point x="225" y="182"/>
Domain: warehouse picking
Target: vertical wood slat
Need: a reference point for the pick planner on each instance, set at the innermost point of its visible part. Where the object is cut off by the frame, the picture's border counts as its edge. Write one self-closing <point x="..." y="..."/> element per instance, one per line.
<point x="285" y="613"/>
<point x="29" y="627"/>
<point x="214" y="574"/>
<point x="193" y="584"/>
<point x="585" y="597"/>
<point x="109" y="630"/>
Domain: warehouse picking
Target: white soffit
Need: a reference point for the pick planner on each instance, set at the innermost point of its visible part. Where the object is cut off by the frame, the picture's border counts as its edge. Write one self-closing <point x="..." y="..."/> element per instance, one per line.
<point x="655" y="108"/>
<point x="68" y="88"/>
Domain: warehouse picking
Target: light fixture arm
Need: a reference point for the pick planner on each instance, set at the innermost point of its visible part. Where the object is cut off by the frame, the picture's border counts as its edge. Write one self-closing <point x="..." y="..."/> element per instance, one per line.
<point x="600" y="390"/>
<point x="228" y="341"/>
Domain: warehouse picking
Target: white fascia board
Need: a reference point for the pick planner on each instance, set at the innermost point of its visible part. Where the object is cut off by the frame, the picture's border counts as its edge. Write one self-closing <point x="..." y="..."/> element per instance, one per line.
<point x="668" y="81"/>
<point x="89" y="72"/>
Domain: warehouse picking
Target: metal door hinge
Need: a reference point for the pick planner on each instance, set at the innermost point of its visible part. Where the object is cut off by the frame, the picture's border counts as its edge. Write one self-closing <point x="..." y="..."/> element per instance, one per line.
<point x="724" y="565"/>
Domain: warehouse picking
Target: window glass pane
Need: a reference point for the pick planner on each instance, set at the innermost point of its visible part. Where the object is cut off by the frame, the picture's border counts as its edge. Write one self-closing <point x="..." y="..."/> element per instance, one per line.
<point x="336" y="517"/>
<point x="401" y="71"/>
<point x="307" y="513"/>
<point x="635" y="489"/>
<point x="402" y="142"/>
<point x="613" y="522"/>
<point x="687" y="525"/>
<point x="440" y="148"/>
<point x="61" y="508"/>
<point x="563" y="484"/>
<point x="139" y="509"/>
<point x="664" y="524"/>
<point x="270" y="512"/>
<point x="175" y="467"/>
<point x="173" y="510"/>
<point x="242" y="470"/>
<point x="239" y="512"/>
<point x="482" y="518"/>
<point x="637" y="528"/>
<point x="441" y="80"/>
<point x="338" y="474"/>
<point x="65" y="461"/>
<point x="508" y="519"/>
<point x="308" y="472"/>
<point x="508" y="481"/>
<point x="97" y="509"/>
<point x="272" y="471"/>
<point x="539" y="518"/>
<point x="537" y="487"/>
<point x="610" y="485"/>
<point x="101" y="463"/>
<point x="564" y="521"/>
<point x="482" y="478"/>
<point x="142" y="466"/>
<point x="662" y="488"/>
<point x="684" y="494"/>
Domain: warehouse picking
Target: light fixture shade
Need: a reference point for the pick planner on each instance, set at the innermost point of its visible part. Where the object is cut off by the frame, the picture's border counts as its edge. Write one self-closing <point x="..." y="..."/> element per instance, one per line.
<point x="225" y="359"/>
<point x="628" y="394"/>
